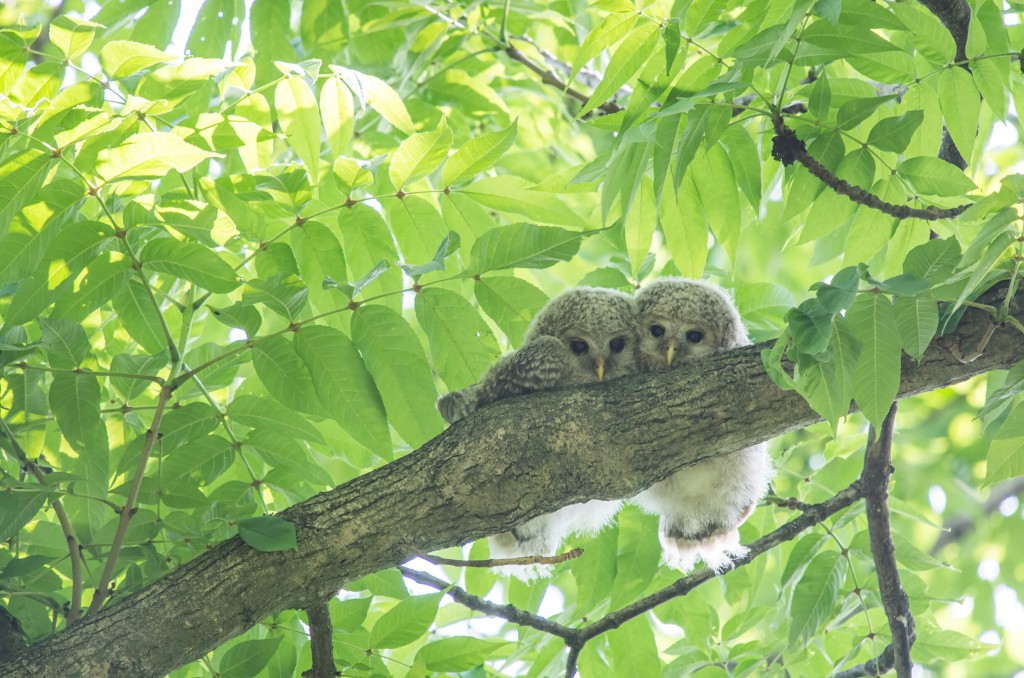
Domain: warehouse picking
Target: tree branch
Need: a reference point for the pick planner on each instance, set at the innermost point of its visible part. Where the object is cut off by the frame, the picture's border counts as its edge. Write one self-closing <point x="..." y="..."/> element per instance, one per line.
<point x="959" y="526"/>
<point x="879" y="666"/>
<point x="506" y="612"/>
<point x="788" y="148"/>
<point x="875" y="481"/>
<point x="602" y="441"/>
<point x="320" y="640"/>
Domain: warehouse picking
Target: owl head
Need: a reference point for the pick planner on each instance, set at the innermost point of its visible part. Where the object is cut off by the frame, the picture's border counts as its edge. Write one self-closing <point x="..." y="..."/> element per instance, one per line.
<point x="597" y="327"/>
<point x="681" y="319"/>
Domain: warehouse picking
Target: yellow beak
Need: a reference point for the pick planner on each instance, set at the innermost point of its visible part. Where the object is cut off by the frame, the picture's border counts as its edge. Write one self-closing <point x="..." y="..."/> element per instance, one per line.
<point x="671" y="352"/>
<point x="600" y="368"/>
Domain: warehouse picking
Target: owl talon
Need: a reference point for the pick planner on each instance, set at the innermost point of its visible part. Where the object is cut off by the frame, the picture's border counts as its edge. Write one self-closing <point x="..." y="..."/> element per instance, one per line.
<point x="718" y="551"/>
<point x="456" y="405"/>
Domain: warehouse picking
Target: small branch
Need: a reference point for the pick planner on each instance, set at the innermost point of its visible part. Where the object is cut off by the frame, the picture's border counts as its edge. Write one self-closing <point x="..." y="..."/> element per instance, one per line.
<point x="960" y="526"/>
<point x="320" y="637"/>
<point x="506" y="612"/>
<point x="788" y="148"/>
<point x="814" y="514"/>
<point x="978" y="351"/>
<point x="93" y="373"/>
<point x="548" y="77"/>
<point x="875" y="483"/>
<point x="499" y="562"/>
<point x="103" y="589"/>
<point x="572" y="660"/>
<point x="878" y="666"/>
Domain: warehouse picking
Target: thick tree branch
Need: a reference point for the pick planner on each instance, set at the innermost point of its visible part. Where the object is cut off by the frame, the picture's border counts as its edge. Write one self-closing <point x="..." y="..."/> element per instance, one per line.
<point x="496" y="469"/>
<point x="955" y="15"/>
<point x="320" y="640"/>
<point x="875" y="482"/>
<point x="879" y="666"/>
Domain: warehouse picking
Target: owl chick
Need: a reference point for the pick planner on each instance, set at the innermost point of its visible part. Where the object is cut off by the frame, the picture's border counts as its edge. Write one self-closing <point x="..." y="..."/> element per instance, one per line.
<point x="581" y="336"/>
<point x="701" y="506"/>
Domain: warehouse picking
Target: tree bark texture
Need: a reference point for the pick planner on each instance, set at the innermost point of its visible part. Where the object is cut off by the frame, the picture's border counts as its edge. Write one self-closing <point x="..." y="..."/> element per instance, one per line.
<point x="503" y="465"/>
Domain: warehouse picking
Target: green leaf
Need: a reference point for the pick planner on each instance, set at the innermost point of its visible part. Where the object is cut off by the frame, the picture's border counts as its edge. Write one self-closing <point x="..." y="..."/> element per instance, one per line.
<point x="811" y="326"/>
<point x="190" y="261"/>
<point x="268" y="533"/>
<point x="75" y="401"/>
<point x="149" y="155"/>
<point x="918" y="321"/>
<point x="344" y="385"/>
<point x="819" y="99"/>
<point x="942" y="647"/>
<point x="815" y="596"/>
<point x="478" y="154"/>
<point x="65" y="342"/>
<point x="284" y="374"/>
<point x="612" y="29"/>
<point x="685" y="229"/>
<point x="395" y="357"/>
<point x="461" y="345"/>
<point x="893" y="134"/>
<point x="21" y="177"/>
<point x="637" y="561"/>
<point x="1006" y="452"/>
<point x="119" y="58"/>
<point x="510" y="302"/>
<point x="640" y="225"/>
<point x="515" y="195"/>
<point x="72" y="36"/>
<point x="300" y="120"/>
<point x="419" y="155"/>
<point x="17" y="509"/>
<point x="183" y="424"/>
<point x="135" y="364"/>
<point x="104" y="278"/>
<point x="256" y="412"/>
<point x="523" y="245"/>
<point x="630" y="56"/>
<point x="932" y="176"/>
<point x="458" y="653"/>
<point x="876" y="380"/>
<point x="183" y="460"/>
<point x="418" y="227"/>
<point x="139" y="316"/>
<point x="961" y="107"/>
<point x="338" y="113"/>
<point x="856" y="111"/>
<point x="283" y="294"/>
<point x="934" y="260"/>
<point x="379" y="96"/>
<point x="249" y="657"/>
<point x="405" y="622"/>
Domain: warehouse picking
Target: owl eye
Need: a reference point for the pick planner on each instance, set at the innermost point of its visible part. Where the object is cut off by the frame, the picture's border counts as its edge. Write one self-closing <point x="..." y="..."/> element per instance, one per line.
<point x="578" y="347"/>
<point x="657" y="331"/>
<point x="617" y="344"/>
<point x="694" y="336"/>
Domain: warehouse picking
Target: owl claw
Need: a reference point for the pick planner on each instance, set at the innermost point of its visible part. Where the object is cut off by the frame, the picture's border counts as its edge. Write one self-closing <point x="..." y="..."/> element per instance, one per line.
<point x="456" y="405"/>
<point x="717" y="551"/>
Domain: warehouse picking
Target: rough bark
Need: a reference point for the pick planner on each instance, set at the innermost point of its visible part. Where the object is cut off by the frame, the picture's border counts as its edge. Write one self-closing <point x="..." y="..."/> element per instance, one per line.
<point x="503" y="465"/>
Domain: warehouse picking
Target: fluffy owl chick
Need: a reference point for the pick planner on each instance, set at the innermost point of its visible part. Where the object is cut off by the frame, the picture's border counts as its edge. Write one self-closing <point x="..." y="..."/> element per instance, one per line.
<point x="581" y="336"/>
<point x="701" y="506"/>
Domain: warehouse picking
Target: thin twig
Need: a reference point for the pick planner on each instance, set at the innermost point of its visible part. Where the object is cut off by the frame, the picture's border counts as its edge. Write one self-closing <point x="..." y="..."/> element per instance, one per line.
<point x="500" y="562"/>
<point x="320" y="637"/>
<point x="788" y="148"/>
<point x="956" y="528"/>
<point x="506" y="612"/>
<point x="103" y="589"/>
<point x="875" y="483"/>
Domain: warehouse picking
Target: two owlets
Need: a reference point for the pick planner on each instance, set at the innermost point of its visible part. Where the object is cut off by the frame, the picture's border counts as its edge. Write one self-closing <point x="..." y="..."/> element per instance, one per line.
<point x="589" y="334"/>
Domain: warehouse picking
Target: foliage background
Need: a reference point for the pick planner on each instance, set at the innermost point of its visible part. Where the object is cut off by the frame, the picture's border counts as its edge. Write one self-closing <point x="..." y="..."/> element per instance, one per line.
<point x="245" y="191"/>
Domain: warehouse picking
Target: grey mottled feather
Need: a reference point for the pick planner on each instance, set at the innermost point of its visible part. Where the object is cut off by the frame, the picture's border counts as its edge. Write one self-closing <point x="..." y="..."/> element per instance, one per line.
<point x="546" y="362"/>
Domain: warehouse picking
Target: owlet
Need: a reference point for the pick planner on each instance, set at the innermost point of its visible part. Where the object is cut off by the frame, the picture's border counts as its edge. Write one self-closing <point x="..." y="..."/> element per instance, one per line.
<point x="701" y="506"/>
<point x="581" y="336"/>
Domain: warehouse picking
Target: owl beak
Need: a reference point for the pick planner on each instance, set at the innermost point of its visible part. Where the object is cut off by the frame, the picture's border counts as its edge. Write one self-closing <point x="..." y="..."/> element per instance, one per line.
<point x="671" y="351"/>
<point x="600" y="368"/>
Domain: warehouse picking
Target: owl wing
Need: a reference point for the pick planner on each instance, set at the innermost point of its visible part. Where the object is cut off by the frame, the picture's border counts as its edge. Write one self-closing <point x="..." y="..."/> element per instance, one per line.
<point x="538" y="365"/>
